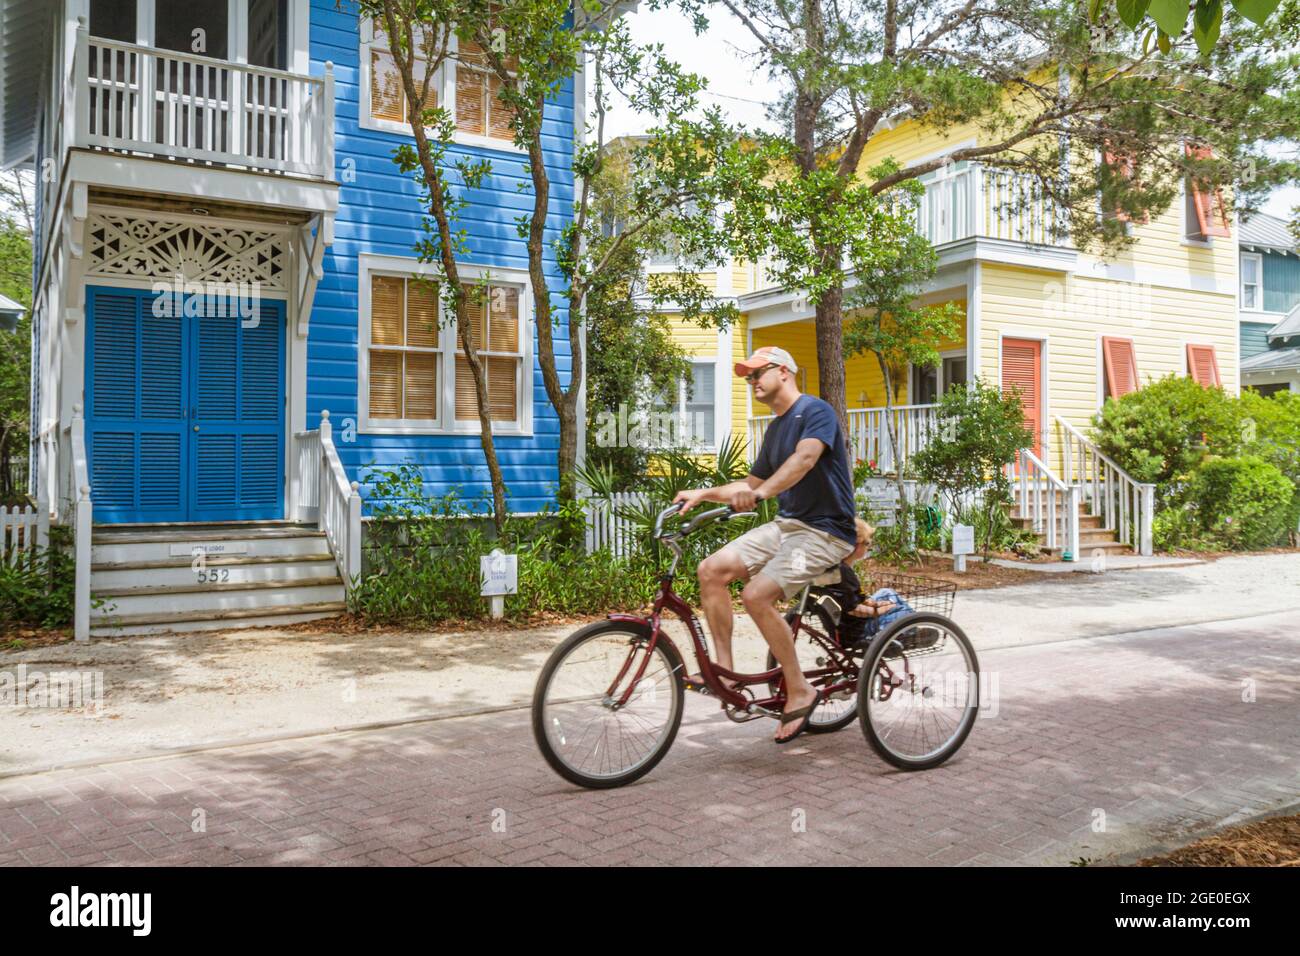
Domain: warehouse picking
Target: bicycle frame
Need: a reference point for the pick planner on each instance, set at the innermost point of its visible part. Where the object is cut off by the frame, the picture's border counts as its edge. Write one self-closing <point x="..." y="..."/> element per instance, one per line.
<point x="667" y="600"/>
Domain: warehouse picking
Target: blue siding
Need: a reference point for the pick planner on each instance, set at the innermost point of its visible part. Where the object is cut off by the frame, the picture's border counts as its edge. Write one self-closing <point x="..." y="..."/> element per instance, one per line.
<point x="380" y="213"/>
<point x="1281" y="282"/>
<point x="1254" y="338"/>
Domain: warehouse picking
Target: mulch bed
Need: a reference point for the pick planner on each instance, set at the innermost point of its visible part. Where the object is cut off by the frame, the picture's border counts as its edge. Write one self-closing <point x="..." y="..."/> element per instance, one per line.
<point x="977" y="575"/>
<point x="1274" y="841"/>
<point x="25" y="638"/>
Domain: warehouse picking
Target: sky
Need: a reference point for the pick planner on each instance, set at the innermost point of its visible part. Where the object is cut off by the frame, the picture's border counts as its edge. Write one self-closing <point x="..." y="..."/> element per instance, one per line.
<point x="741" y="90"/>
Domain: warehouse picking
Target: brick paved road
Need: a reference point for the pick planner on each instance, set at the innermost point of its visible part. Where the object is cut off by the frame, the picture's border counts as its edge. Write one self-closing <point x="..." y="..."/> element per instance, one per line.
<point x="1149" y="729"/>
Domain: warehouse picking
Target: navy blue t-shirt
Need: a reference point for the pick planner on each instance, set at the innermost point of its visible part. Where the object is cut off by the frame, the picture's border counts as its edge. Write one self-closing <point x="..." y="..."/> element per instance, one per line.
<point x="822" y="498"/>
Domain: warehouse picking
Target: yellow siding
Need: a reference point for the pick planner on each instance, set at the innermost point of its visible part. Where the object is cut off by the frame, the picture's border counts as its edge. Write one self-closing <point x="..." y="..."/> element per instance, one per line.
<point x="739" y="389"/>
<point x="697" y="340"/>
<point x="708" y="279"/>
<point x="863" y="384"/>
<point x="740" y="277"/>
<point x="913" y="140"/>
<point x="1074" y="313"/>
<point x="1160" y="245"/>
<point x="700" y="342"/>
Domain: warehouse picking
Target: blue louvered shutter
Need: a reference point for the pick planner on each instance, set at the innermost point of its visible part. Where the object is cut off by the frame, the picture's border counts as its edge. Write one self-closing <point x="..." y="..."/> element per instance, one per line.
<point x="135" y="409"/>
<point x="239" y="412"/>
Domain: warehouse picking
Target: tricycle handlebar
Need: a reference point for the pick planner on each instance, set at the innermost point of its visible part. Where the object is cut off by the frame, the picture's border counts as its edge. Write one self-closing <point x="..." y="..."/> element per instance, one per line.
<point x="725" y="513"/>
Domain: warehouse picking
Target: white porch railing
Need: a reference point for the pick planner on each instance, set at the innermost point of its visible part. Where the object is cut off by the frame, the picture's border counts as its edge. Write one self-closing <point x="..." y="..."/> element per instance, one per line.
<point x="997" y="203"/>
<point x="869" y="433"/>
<point x="1050" y="504"/>
<point x="324" y="486"/>
<point x="1126" y="506"/>
<point x="140" y="99"/>
<point x="77" y="515"/>
<point x="607" y="529"/>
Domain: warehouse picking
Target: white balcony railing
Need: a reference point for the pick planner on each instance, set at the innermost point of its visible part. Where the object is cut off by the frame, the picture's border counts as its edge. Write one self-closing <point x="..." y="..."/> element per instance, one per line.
<point x="973" y="201"/>
<point x="994" y="203"/>
<point x="143" y="100"/>
<point x="869" y="433"/>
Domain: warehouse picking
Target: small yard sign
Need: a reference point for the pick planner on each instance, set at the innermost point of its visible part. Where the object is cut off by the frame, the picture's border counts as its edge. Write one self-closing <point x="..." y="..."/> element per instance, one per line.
<point x="882" y="499"/>
<point x="499" y="574"/>
<point x="963" y="543"/>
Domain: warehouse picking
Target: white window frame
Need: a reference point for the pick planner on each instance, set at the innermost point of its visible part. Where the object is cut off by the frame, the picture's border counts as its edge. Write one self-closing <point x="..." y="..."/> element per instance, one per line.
<point x="444" y="81"/>
<point x="1258" y="259"/>
<point x="368" y="266"/>
<point x="296" y="13"/>
<point x="940" y="374"/>
<point x="704" y="442"/>
<point x="945" y="382"/>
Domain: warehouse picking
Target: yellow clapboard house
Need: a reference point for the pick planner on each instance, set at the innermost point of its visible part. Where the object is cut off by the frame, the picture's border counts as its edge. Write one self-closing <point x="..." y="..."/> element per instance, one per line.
<point x="1068" y="327"/>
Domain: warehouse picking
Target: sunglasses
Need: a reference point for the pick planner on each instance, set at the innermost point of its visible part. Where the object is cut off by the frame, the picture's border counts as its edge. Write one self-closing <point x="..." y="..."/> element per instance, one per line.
<point x="758" y="373"/>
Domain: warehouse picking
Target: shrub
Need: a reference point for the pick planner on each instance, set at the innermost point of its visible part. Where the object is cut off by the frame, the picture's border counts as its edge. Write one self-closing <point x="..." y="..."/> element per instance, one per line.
<point x="979" y="431"/>
<point x="1270" y="428"/>
<point x="39" y="591"/>
<point x="1229" y="503"/>
<point x="422" y="556"/>
<point x="1162" y="431"/>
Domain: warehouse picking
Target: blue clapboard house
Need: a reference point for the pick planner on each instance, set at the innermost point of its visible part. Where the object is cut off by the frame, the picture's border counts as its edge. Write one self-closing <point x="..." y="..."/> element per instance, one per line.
<point x="231" y="325"/>
<point x="1269" y="310"/>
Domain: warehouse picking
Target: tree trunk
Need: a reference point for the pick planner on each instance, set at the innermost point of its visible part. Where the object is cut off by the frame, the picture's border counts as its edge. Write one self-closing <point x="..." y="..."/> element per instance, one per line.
<point x="830" y="354"/>
<point x="563" y="400"/>
<point x="568" y="455"/>
<point x="892" y="430"/>
<point x="486" y="439"/>
<point x="435" y="184"/>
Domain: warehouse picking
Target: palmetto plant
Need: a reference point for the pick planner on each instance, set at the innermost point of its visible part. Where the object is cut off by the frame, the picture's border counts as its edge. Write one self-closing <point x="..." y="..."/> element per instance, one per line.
<point x="673" y="471"/>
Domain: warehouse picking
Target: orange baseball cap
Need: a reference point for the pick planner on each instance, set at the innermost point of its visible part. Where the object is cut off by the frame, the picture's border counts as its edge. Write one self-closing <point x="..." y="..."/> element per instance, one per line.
<point x="767" y="355"/>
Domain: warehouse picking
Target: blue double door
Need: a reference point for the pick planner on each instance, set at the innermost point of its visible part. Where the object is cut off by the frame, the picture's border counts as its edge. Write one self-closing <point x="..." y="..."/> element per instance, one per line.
<point x="185" y="407"/>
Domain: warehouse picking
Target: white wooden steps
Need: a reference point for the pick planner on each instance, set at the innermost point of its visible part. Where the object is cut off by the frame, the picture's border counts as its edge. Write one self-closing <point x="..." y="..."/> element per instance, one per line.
<point x="147" y="579"/>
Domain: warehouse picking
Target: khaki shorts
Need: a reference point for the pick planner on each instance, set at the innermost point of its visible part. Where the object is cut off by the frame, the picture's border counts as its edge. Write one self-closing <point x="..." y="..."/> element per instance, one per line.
<point x="789" y="552"/>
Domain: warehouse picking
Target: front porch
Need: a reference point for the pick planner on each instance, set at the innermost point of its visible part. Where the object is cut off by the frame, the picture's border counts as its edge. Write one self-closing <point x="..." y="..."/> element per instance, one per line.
<point x="185" y="216"/>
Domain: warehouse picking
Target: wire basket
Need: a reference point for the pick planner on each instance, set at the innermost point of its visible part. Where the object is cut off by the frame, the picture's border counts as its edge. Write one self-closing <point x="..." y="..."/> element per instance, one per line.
<point x="923" y="594"/>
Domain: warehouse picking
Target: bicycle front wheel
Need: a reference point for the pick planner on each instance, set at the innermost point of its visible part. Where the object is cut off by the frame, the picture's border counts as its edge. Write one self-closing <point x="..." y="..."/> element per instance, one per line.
<point x="606" y="707"/>
<point x="918" y="692"/>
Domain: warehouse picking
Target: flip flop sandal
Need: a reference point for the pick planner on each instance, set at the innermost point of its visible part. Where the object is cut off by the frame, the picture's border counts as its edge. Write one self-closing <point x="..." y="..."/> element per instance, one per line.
<point x="802" y="712"/>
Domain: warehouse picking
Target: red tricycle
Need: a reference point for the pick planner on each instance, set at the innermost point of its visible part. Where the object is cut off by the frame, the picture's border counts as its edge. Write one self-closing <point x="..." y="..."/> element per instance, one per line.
<point x="609" y="700"/>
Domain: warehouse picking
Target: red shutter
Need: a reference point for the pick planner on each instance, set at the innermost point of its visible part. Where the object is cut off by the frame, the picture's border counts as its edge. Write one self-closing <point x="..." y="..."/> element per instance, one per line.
<point x="1203" y="365"/>
<point x="1207" y="200"/>
<point x="1121" y="366"/>
<point x="1022" y="367"/>
<point x="1123" y="164"/>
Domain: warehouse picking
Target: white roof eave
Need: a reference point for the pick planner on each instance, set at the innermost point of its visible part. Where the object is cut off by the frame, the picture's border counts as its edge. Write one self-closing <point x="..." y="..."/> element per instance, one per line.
<point x="26" y="29"/>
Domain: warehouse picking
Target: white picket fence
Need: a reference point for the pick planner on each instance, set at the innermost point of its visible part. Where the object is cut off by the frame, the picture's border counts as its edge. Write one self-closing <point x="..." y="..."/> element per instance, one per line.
<point x="22" y="531"/>
<point x="606" y="529"/>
